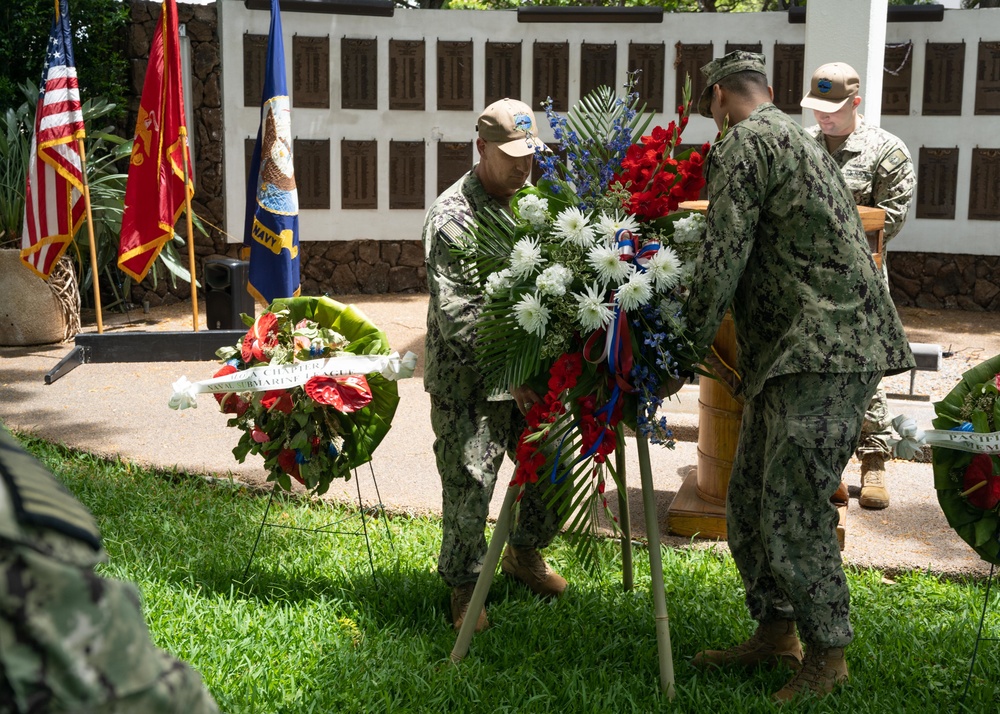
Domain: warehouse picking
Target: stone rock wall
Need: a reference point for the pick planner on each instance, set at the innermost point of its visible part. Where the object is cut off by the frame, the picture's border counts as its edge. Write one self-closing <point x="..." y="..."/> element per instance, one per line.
<point x="939" y="280"/>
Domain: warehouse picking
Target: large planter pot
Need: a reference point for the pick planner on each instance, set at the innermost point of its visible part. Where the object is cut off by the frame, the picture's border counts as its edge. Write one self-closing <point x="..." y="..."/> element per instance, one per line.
<point x="31" y="311"/>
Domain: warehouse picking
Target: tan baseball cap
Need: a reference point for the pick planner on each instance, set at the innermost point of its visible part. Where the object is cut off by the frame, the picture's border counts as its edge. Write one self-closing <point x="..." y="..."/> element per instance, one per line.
<point x="831" y="87"/>
<point x="511" y="124"/>
<point x="736" y="61"/>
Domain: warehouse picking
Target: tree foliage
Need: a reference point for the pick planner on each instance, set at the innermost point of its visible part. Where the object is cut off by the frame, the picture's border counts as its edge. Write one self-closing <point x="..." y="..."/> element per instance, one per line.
<point x="98" y="48"/>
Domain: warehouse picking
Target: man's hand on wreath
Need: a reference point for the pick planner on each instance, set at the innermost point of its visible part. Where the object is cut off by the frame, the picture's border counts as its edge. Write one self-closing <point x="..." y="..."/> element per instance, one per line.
<point x="525" y="397"/>
<point x="725" y="374"/>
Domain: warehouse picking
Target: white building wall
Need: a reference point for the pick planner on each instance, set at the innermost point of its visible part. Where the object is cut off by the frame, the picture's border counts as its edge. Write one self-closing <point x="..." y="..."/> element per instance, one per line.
<point x="943" y="236"/>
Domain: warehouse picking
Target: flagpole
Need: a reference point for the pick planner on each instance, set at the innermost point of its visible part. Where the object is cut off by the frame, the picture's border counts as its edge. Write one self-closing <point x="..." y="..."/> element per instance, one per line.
<point x="190" y="231"/>
<point x="90" y="234"/>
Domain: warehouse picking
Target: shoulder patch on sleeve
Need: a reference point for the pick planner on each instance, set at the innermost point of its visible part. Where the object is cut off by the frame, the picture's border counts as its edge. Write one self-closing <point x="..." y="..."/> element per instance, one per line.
<point x="892" y="161"/>
<point x="452" y="231"/>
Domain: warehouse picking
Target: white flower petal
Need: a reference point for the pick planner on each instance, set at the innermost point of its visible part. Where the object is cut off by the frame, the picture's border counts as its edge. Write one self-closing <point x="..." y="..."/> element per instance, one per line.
<point x="531" y="315"/>
<point x="634" y="293"/>
<point x="592" y="310"/>
<point x="525" y="257"/>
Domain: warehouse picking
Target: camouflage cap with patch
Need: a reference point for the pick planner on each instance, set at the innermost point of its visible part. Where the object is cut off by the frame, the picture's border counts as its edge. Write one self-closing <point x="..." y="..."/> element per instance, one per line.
<point x="737" y="61"/>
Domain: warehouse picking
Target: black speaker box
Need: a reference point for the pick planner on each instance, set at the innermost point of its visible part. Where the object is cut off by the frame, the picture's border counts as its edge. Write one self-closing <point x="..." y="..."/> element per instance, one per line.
<point x="226" y="293"/>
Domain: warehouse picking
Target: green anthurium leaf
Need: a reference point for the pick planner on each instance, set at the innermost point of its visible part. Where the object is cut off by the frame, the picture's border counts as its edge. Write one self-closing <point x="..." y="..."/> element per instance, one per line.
<point x="980" y="422"/>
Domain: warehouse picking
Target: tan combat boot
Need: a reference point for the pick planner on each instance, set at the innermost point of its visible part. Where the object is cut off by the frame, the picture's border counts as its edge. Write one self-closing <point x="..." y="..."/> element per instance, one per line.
<point x="527" y="565"/>
<point x="873" y="492"/>
<point x="460" y="597"/>
<point x="772" y="644"/>
<point x="822" y="670"/>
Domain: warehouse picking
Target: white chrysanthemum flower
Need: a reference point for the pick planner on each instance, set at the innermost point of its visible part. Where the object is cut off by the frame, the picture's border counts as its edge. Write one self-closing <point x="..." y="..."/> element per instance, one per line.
<point x="525" y="257"/>
<point x="531" y="315"/>
<point x="608" y="226"/>
<point x="610" y="268"/>
<point x="534" y="209"/>
<point x="690" y="229"/>
<point x="635" y="292"/>
<point x="664" y="268"/>
<point x="571" y="226"/>
<point x="592" y="311"/>
<point x="554" y="280"/>
<point x="498" y="282"/>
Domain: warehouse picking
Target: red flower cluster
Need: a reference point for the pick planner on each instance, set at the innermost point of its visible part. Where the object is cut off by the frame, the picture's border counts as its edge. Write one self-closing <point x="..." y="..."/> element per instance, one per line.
<point x="345" y="393"/>
<point x="981" y="469"/>
<point x="230" y="402"/>
<point x="657" y="182"/>
<point x="593" y="429"/>
<point x="562" y="376"/>
<point x="263" y="335"/>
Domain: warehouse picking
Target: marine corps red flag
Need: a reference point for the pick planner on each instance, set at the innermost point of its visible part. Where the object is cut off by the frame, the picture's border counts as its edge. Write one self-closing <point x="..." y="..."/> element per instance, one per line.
<point x="54" y="205"/>
<point x="154" y="194"/>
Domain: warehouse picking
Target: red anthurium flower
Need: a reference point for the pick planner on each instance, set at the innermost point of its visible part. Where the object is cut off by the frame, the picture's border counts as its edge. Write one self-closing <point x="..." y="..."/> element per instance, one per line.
<point x="279" y="400"/>
<point x="981" y="469"/>
<point x="232" y="403"/>
<point x="345" y="393"/>
<point x="288" y="464"/>
<point x="226" y="369"/>
<point x="258" y="435"/>
<point x="263" y="335"/>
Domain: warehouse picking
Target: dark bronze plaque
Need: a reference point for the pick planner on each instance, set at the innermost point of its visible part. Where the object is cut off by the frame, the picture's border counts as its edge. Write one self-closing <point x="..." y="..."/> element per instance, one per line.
<point x="649" y="60"/>
<point x="689" y="61"/>
<point x="311" y="72"/>
<point x="988" y="78"/>
<point x="896" y="73"/>
<point x="312" y="172"/>
<point x="406" y="174"/>
<point x="454" y="67"/>
<point x="787" y="77"/>
<point x="938" y="172"/>
<point x="984" y="185"/>
<point x="358" y="174"/>
<point x="551" y="75"/>
<point x="503" y="70"/>
<point x="358" y="74"/>
<point x="248" y="145"/>
<point x="254" y="66"/>
<point x="406" y="74"/>
<point x="598" y="64"/>
<point x="943" y="70"/>
<point x="454" y="159"/>
<point x="744" y="47"/>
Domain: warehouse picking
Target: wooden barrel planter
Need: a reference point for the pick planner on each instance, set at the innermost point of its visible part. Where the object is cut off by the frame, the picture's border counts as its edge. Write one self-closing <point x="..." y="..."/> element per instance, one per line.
<point x="719" y="417"/>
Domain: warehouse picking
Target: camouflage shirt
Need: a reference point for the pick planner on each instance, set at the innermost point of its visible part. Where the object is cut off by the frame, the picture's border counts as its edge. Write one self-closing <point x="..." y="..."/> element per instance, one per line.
<point x="456" y="300"/>
<point x="785" y="247"/>
<point x="878" y="170"/>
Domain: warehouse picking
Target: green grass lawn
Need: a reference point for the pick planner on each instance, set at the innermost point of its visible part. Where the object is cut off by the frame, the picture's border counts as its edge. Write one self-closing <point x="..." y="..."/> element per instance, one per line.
<point x="312" y="631"/>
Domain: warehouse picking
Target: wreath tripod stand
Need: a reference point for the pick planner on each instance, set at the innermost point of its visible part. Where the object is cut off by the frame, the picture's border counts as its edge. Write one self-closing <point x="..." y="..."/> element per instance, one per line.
<point x="662" y="624"/>
<point x="335" y="527"/>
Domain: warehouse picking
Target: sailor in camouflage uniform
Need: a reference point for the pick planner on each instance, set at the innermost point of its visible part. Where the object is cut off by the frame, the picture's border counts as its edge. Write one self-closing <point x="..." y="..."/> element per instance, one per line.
<point x="816" y="331"/>
<point x="70" y="640"/>
<point x="473" y="430"/>
<point x="879" y="172"/>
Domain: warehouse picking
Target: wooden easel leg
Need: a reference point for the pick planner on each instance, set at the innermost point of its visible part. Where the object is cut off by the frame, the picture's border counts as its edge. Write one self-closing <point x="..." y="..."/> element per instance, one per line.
<point x="628" y="575"/>
<point x="656" y="571"/>
<point x="482" y="589"/>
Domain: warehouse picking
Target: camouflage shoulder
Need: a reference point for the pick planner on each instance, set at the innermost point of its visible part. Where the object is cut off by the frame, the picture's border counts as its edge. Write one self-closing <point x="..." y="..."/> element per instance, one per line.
<point x="39" y="500"/>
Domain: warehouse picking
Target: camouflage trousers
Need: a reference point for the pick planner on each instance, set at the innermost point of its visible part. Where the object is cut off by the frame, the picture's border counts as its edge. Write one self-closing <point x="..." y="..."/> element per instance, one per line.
<point x="796" y="438"/>
<point x="875" y="431"/>
<point x="471" y="438"/>
<point x="71" y="640"/>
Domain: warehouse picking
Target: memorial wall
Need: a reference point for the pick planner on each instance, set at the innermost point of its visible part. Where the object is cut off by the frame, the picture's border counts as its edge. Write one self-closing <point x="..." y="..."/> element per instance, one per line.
<point x="384" y="109"/>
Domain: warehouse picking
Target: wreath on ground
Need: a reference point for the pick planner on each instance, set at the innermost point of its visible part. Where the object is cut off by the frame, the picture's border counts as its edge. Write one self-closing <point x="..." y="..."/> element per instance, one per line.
<point x="311" y="386"/>
<point x="968" y="482"/>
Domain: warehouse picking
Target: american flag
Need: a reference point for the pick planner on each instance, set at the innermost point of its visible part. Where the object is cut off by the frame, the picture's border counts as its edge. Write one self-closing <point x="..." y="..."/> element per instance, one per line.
<point x="53" y="194"/>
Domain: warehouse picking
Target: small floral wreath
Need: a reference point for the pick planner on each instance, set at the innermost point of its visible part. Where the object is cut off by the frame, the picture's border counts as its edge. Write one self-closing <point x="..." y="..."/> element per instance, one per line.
<point x="329" y="425"/>
<point x="968" y="485"/>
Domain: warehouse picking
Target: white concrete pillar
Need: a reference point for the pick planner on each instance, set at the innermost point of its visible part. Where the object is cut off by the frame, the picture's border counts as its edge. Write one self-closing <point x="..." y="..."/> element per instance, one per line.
<point x="851" y="31"/>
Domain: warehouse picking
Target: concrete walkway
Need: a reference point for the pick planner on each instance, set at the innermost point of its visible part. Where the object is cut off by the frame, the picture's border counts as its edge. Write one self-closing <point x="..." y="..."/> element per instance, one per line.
<point x="121" y="409"/>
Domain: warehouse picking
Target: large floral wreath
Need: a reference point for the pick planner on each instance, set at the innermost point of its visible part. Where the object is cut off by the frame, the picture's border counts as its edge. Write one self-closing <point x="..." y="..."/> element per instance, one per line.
<point x="967" y="478"/>
<point x="312" y="388"/>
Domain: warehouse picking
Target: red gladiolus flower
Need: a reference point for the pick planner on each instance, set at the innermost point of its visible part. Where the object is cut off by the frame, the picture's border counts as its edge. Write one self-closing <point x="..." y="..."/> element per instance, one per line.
<point x="345" y="393"/>
<point x="263" y="335"/>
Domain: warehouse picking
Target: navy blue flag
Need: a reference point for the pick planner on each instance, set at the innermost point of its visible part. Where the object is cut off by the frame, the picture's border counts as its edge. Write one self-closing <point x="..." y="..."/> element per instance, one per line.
<point x="271" y="233"/>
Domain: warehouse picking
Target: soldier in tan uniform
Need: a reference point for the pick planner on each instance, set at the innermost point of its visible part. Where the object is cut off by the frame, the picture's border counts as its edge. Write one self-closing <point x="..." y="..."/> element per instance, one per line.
<point x="71" y="640"/>
<point x="879" y="172"/>
<point x="785" y="250"/>
<point x="473" y="430"/>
